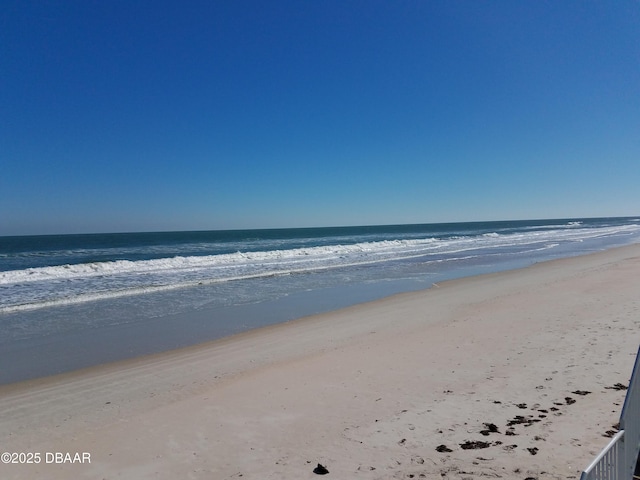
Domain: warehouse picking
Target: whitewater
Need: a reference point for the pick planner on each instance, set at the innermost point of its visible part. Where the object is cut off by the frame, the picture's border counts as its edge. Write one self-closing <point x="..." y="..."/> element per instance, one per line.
<point x="45" y="286"/>
<point x="72" y="301"/>
<point x="180" y="271"/>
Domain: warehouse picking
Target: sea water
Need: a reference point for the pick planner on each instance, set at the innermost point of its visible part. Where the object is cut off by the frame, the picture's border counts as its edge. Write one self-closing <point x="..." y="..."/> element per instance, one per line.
<point x="68" y="301"/>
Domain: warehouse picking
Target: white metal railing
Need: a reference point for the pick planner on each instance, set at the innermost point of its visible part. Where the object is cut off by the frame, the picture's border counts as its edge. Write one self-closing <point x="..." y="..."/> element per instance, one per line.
<point x="607" y="465"/>
<point x="617" y="461"/>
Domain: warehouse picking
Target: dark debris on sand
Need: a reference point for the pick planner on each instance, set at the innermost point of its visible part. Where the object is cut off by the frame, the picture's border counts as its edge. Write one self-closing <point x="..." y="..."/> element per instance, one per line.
<point x="581" y="392"/>
<point x="521" y="420"/>
<point x="443" y="449"/>
<point x="490" y="428"/>
<point x="468" y="445"/>
<point x="320" y="470"/>
<point x="612" y="433"/>
<point x="617" y="386"/>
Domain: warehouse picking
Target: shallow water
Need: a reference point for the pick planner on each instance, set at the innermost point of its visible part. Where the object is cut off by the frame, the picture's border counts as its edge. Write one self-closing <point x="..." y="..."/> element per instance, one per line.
<point x="72" y="330"/>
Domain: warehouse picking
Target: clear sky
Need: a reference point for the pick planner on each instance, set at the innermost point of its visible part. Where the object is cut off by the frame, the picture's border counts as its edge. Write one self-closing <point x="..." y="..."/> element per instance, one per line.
<point x="195" y="115"/>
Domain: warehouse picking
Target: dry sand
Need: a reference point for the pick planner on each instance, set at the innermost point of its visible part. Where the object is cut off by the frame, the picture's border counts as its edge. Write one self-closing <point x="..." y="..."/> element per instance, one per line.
<point x="370" y="392"/>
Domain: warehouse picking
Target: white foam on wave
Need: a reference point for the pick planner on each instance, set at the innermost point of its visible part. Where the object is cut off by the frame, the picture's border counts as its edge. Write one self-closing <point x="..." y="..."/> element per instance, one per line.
<point x="105" y="295"/>
<point x="58" y="285"/>
<point x="300" y="259"/>
<point x="310" y="255"/>
<point x="554" y="226"/>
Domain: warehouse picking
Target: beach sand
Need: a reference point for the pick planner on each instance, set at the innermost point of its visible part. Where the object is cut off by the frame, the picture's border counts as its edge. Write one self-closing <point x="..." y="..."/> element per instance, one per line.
<point x="523" y="364"/>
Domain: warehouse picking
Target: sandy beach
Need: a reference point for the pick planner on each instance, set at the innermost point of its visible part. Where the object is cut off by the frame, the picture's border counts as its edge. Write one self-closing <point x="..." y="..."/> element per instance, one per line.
<point x="518" y="374"/>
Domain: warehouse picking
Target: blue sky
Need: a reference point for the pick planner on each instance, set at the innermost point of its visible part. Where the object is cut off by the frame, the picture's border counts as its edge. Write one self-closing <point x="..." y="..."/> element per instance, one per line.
<point x="157" y="115"/>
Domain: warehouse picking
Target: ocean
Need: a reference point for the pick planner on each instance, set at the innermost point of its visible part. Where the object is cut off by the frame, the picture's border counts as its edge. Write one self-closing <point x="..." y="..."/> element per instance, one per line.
<point x="69" y="301"/>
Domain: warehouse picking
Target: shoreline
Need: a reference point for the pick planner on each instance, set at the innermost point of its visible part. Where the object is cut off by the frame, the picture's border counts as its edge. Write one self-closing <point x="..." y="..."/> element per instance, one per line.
<point x="49" y="355"/>
<point x="369" y="390"/>
<point x="67" y="351"/>
<point x="48" y="347"/>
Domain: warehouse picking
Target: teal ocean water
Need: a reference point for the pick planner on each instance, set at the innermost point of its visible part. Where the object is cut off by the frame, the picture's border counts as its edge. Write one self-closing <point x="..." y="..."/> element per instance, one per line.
<point x="171" y="289"/>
